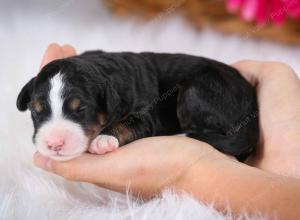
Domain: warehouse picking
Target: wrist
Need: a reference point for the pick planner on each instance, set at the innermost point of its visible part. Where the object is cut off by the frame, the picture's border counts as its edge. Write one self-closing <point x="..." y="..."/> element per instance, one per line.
<point x="209" y="182"/>
<point x="230" y="184"/>
<point x="204" y="174"/>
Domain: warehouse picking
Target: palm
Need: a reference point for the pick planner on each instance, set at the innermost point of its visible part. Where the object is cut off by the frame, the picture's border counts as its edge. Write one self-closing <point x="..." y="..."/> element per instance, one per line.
<point x="147" y="165"/>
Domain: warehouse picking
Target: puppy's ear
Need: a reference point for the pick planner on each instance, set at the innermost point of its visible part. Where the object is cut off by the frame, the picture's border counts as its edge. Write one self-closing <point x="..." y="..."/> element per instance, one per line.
<point x="24" y="96"/>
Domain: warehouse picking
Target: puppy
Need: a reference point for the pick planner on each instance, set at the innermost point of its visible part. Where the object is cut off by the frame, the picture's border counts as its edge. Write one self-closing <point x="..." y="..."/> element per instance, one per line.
<point x="99" y="101"/>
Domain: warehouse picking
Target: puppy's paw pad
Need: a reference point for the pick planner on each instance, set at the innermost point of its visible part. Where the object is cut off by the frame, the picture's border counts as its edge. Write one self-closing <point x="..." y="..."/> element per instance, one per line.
<point x="103" y="144"/>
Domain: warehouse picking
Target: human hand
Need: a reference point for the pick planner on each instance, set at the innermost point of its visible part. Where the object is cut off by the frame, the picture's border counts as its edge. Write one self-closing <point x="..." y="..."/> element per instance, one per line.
<point x="145" y="166"/>
<point x="278" y="91"/>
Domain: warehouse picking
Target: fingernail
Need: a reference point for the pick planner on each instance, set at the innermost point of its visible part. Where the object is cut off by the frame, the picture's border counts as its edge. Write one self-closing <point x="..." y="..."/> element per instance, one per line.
<point x="42" y="162"/>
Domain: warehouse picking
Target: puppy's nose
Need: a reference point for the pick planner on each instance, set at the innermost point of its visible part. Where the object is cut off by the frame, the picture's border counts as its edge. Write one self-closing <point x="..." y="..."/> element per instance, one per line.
<point x="55" y="144"/>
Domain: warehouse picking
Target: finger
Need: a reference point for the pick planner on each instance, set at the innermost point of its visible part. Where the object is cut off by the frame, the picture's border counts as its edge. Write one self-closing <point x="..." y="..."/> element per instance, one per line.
<point x="249" y="69"/>
<point x="41" y="161"/>
<point x="68" y="50"/>
<point x="86" y="167"/>
<point x="278" y="92"/>
<point x="53" y="52"/>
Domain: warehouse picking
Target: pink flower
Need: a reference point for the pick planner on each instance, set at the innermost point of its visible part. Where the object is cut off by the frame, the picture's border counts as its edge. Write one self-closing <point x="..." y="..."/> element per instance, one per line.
<point x="265" y="11"/>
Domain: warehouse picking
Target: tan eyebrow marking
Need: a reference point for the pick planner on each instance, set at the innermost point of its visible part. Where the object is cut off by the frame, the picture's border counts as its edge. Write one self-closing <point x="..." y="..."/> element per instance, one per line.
<point x="38" y="107"/>
<point x="74" y="103"/>
<point x="95" y="129"/>
<point x="123" y="134"/>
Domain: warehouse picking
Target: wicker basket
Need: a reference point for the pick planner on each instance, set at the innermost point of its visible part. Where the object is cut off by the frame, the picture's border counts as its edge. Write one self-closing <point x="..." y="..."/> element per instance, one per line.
<point x="206" y="13"/>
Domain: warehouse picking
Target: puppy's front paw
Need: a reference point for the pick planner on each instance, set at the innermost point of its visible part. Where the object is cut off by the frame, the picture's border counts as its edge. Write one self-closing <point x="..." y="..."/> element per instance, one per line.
<point x="103" y="144"/>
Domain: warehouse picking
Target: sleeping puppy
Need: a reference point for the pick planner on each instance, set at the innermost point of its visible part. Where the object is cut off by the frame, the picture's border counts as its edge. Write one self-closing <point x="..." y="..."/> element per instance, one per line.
<point x="99" y="101"/>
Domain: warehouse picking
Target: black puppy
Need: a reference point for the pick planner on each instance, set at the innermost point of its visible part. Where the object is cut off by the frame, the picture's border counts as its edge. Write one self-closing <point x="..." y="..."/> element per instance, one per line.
<point x="98" y="101"/>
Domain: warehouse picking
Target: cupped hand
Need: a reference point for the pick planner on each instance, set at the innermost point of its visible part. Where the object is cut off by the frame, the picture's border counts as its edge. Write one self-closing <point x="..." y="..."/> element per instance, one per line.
<point x="145" y="166"/>
<point x="278" y="93"/>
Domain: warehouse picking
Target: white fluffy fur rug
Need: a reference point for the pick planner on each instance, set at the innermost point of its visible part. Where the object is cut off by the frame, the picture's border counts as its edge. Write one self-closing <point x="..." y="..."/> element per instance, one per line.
<point x="27" y="27"/>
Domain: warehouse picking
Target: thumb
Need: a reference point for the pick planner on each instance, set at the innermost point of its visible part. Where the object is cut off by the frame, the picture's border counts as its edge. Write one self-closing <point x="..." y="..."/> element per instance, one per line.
<point x="83" y="168"/>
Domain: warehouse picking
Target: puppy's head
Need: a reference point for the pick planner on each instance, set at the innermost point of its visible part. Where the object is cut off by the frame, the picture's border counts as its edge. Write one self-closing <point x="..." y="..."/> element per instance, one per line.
<point x="67" y="107"/>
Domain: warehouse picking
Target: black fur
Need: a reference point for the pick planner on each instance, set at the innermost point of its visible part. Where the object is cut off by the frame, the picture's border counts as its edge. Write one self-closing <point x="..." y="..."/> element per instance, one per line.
<point x="158" y="94"/>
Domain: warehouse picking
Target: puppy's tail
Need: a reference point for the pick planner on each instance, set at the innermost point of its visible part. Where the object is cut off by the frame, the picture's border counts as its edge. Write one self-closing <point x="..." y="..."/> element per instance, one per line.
<point x="239" y="142"/>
